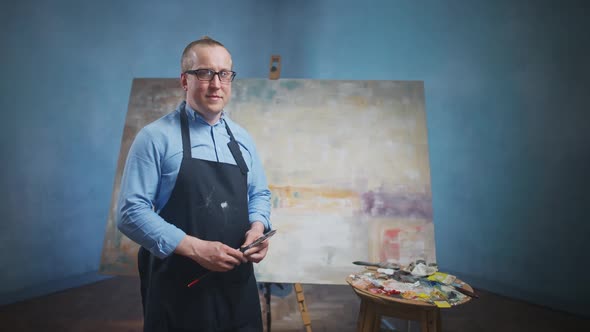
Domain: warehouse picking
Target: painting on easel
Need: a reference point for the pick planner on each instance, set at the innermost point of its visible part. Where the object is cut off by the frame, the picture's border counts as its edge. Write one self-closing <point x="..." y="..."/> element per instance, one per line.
<point x="347" y="164"/>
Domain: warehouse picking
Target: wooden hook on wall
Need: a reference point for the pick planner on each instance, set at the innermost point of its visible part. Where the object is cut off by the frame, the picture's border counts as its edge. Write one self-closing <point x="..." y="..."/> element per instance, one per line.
<point x="275" y="67"/>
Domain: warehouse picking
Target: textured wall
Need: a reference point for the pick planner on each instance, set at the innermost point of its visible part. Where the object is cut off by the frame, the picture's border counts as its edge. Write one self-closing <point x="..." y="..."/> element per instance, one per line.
<point x="506" y="103"/>
<point x="67" y="68"/>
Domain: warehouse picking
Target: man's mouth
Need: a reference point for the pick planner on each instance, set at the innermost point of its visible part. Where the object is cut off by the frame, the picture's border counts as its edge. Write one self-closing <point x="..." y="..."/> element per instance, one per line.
<point x="214" y="97"/>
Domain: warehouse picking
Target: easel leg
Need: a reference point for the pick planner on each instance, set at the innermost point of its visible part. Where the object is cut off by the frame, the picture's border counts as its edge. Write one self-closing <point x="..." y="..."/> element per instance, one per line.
<point x="303" y="307"/>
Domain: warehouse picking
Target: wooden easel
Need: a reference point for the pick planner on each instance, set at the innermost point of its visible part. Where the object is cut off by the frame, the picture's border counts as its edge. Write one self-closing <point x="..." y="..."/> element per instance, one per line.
<point x="300" y="301"/>
<point x="302" y="307"/>
<point x="275" y="74"/>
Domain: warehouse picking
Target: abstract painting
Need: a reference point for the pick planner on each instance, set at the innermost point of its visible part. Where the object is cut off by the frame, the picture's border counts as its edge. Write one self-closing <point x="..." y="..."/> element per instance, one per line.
<point x="347" y="165"/>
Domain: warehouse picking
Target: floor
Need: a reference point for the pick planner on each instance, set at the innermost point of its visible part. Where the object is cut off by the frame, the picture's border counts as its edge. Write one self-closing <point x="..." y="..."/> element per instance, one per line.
<point x="114" y="305"/>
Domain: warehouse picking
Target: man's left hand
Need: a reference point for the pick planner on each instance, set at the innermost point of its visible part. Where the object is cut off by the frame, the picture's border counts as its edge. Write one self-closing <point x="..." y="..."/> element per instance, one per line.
<point x="258" y="252"/>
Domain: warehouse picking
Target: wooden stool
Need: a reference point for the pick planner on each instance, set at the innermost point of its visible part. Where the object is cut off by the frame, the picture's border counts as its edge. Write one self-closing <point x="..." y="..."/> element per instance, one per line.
<point x="373" y="306"/>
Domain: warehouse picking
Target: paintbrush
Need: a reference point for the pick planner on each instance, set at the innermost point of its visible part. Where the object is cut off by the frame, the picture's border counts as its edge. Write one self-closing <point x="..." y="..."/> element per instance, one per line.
<point x="460" y="289"/>
<point x="393" y="266"/>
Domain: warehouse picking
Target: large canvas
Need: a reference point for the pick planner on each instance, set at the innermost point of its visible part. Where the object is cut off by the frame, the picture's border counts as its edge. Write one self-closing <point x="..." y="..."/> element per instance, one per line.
<point x="346" y="161"/>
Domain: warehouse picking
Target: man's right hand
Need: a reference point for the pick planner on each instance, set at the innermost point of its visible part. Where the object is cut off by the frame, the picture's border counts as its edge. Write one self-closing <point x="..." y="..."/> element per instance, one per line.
<point x="212" y="255"/>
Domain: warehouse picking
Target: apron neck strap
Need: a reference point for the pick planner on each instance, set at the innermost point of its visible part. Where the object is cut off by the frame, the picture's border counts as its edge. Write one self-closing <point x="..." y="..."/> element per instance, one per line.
<point x="234" y="148"/>
<point x="186" y="138"/>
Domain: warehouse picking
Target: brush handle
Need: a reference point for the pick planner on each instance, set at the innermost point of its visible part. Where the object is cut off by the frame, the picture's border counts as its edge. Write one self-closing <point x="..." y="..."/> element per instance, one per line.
<point x="466" y="292"/>
<point x="194" y="282"/>
<point x="366" y="263"/>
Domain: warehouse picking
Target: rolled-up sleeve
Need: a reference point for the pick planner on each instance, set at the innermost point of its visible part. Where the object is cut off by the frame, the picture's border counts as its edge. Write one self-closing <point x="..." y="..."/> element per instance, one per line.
<point x="258" y="193"/>
<point x="136" y="217"/>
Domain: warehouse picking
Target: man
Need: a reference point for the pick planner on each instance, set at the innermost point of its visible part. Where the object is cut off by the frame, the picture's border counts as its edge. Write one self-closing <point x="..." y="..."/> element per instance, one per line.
<point x="193" y="191"/>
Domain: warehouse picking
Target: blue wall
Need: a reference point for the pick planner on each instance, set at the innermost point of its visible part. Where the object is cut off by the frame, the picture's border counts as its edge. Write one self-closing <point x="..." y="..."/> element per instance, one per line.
<point x="506" y="87"/>
<point x="67" y="69"/>
<point x="505" y="102"/>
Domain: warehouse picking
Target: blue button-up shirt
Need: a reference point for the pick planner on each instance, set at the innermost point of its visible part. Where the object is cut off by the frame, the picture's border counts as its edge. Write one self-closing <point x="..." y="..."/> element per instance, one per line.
<point x="152" y="167"/>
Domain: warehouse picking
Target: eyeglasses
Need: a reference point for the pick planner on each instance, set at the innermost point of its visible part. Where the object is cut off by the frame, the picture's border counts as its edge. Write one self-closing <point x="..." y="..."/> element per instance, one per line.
<point x="225" y="76"/>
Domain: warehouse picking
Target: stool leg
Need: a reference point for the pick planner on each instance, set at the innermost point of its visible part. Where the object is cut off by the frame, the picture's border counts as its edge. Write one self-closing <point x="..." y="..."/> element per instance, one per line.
<point x="360" y="323"/>
<point x="367" y="317"/>
<point x="438" y="321"/>
<point x="430" y="321"/>
<point x="424" y="321"/>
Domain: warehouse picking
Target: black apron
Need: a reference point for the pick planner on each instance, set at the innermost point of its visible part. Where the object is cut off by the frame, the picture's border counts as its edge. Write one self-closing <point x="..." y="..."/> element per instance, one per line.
<point x="209" y="201"/>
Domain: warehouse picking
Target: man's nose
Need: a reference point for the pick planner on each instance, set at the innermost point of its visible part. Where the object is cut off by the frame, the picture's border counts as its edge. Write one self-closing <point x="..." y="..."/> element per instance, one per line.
<point x="215" y="82"/>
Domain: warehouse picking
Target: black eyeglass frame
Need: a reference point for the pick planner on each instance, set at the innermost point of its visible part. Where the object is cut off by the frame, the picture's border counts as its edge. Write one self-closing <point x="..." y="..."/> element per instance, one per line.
<point x="196" y="71"/>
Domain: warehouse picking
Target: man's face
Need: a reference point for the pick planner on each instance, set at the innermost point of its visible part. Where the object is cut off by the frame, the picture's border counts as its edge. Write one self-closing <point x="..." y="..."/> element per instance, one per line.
<point x="208" y="98"/>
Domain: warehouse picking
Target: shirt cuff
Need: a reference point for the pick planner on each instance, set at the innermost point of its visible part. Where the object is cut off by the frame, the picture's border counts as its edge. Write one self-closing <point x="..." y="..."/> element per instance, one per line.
<point x="171" y="241"/>
<point x="259" y="217"/>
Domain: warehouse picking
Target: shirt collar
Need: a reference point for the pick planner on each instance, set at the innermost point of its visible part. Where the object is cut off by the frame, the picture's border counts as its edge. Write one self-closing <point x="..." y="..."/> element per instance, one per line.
<point x="193" y="115"/>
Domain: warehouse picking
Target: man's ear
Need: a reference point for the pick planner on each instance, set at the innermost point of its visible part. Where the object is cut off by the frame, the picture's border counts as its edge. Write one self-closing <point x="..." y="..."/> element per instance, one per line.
<point x="183" y="82"/>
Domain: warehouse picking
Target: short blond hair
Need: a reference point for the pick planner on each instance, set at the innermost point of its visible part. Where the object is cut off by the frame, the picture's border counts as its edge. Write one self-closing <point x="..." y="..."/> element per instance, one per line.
<point x="187" y="61"/>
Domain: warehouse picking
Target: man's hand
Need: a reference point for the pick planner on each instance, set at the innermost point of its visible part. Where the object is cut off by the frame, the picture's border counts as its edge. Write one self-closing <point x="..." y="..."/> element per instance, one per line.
<point x="258" y="252"/>
<point x="212" y="255"/>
